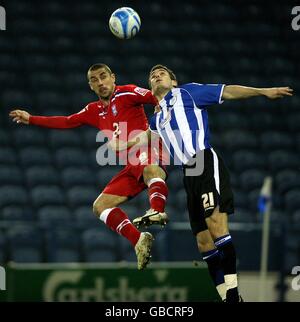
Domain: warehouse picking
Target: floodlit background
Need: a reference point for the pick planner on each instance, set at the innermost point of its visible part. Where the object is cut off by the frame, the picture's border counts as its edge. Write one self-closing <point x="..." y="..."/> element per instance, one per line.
<point x="50" y="178"/>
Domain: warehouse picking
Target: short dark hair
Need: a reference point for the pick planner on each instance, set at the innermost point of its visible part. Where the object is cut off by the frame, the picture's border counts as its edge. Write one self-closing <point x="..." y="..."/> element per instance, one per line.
<point x="98" y="66"/>
<point x="159" y="66"/>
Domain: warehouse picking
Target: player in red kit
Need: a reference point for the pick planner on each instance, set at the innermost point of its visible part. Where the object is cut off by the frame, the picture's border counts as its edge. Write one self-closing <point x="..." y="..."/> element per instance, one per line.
<point x="118" y="105"/>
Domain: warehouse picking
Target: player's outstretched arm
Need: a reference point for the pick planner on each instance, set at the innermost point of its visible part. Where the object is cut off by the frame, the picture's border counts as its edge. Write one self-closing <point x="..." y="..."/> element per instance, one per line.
<point x="53" y="122"/>
<point x="20" y="116"/>
<point x="240" y="92"/>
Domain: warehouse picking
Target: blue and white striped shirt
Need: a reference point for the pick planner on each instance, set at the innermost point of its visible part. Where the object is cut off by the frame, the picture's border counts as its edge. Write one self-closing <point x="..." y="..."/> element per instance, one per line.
<point x="182" y="122"/>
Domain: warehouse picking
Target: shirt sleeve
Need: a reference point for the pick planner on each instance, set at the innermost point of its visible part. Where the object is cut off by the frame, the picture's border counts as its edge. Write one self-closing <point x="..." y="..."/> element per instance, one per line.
<point x="143" y="96"/>
<point x="205" y="95"/>
<point x="60" y="122"/>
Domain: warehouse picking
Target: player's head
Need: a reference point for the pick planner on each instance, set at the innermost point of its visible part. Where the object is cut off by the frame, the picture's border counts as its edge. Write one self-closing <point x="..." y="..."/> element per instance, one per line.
<point x="101" y="80"/>
<point x="161" y="79"/>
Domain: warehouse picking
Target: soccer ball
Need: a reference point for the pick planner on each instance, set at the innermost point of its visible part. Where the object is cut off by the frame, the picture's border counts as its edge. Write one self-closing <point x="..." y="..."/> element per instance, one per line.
<point x="124" y="23"/>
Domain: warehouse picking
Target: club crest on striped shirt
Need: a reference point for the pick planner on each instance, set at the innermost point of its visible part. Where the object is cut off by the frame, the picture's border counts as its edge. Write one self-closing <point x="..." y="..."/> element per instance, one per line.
<point x="173" y="100"/>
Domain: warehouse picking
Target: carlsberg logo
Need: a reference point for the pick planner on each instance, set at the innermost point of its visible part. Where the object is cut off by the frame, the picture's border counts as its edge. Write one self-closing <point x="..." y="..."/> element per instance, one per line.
<point x="66" y="287"/>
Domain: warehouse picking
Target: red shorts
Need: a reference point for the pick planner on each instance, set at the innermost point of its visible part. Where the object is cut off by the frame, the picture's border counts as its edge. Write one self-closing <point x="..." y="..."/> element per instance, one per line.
<point x="129" y="181"/>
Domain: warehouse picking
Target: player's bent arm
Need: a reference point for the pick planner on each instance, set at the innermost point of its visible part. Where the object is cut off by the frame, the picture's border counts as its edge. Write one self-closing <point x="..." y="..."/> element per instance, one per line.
<point x="240" y="92"/>
<point x="142" y="138"/>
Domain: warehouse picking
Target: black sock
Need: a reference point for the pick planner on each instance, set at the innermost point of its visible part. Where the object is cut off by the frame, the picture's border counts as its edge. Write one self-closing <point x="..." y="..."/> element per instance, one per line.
<point x="228" y="255"/>
<point x="213" y="261"/>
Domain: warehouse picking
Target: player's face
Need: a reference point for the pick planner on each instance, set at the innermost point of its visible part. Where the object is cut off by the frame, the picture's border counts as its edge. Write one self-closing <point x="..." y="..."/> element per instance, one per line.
<point x="102" y="82"/>
<point x="160" y="81"/>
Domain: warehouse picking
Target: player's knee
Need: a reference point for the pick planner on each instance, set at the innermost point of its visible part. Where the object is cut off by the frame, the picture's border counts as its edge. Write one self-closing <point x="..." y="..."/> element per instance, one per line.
<point x="153" y="171"/>
<point x="98" y="208"/>
<point x="205" y="241"/>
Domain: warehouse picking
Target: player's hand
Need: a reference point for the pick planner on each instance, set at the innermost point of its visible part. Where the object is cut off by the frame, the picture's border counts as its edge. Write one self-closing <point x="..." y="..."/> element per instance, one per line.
<point x="20" y="116"/>
<point x="278" y="92"/>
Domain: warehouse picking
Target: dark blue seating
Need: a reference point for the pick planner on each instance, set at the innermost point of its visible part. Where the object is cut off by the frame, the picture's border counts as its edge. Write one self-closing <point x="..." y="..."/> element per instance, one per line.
<point x="32" y="155"/>
<point x="66" y="157"/>
<point x="25" y="244"/>
<point x="77" y="176"/>
<point x="82" y="196"/>
<point x="245" y="159"/>
<point x="13" y="195"/>
<point x="54" y="216"/>
<point x="42" y="175"/>
<point x="85" y="217"/>
<point x="11" y="175"/>
<point x="47" y="195"/>
<point x="99" y="245"/>
<point x="292" y="200"/>
<point x="63" y="245"/>
<point x="251" y="179"/>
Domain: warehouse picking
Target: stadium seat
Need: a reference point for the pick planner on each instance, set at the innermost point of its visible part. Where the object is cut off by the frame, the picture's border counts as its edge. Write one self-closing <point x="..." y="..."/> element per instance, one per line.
<point x="42" y="175"/>
<point x="47" y="195"/>
<point x="85" y="217"/>
<point x="287" y="180"/>
<point x="238" y="139"/>
<point x="16" y="213"/>
<point x="5" y="139"/>
<point x="31" y="136"/>
<point x="52" y="216"/>
<point x="11" y="175"/>
<point x="274" y="140"/>
<point x="8" y="156"/>
<point x="3" y="248"/>
<point x="251" y="179"/>
<point x="62" y="245"/>
<point x="240" y="199"/>
<point x="82" y="196"/>
<point x="281" y="160"/>
<point x="291" y="200"/>
<point x="180" y="202"/>
<point x="253" y="197"/>
<point x="66" y="157"/>
<point x="25" y="244"/>
<point x="32" y="155"/>
<point x="99" y="245"/>
<point x="77" y="176"/>
<point x="245" y="159"/>
<point x="13" y="195"/>
<point x="64" y="138"/>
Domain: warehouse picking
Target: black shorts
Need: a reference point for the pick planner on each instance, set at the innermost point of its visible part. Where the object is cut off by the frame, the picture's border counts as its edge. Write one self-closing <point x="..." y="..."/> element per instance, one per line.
<point x="207" y="189"/>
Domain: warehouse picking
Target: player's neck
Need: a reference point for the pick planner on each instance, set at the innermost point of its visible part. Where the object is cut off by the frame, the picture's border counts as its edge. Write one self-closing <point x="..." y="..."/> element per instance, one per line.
<point x="161" y="94"/>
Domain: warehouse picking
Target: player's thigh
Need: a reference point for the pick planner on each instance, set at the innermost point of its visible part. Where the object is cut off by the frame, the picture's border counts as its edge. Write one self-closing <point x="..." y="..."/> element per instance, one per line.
<point x="217" y="223"/>
<point x="106" y="201"/>
<point x="195" y="210"/>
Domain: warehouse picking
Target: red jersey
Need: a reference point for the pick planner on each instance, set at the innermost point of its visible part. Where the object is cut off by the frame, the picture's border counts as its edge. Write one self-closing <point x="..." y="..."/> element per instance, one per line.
<point x="125" y="107"/>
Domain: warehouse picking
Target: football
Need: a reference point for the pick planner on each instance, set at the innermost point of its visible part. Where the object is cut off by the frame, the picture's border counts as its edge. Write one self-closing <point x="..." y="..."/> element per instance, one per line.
<point x="124" y="23"/>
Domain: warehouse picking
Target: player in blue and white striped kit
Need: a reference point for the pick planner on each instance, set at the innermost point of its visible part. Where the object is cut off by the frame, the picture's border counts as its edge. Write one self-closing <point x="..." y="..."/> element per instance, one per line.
<point x="182" y="123"/>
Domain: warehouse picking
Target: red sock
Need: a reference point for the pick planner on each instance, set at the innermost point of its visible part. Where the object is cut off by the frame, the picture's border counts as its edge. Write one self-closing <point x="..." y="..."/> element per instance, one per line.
<point x="158" y="193"/>
<point x="117" y="220"/>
